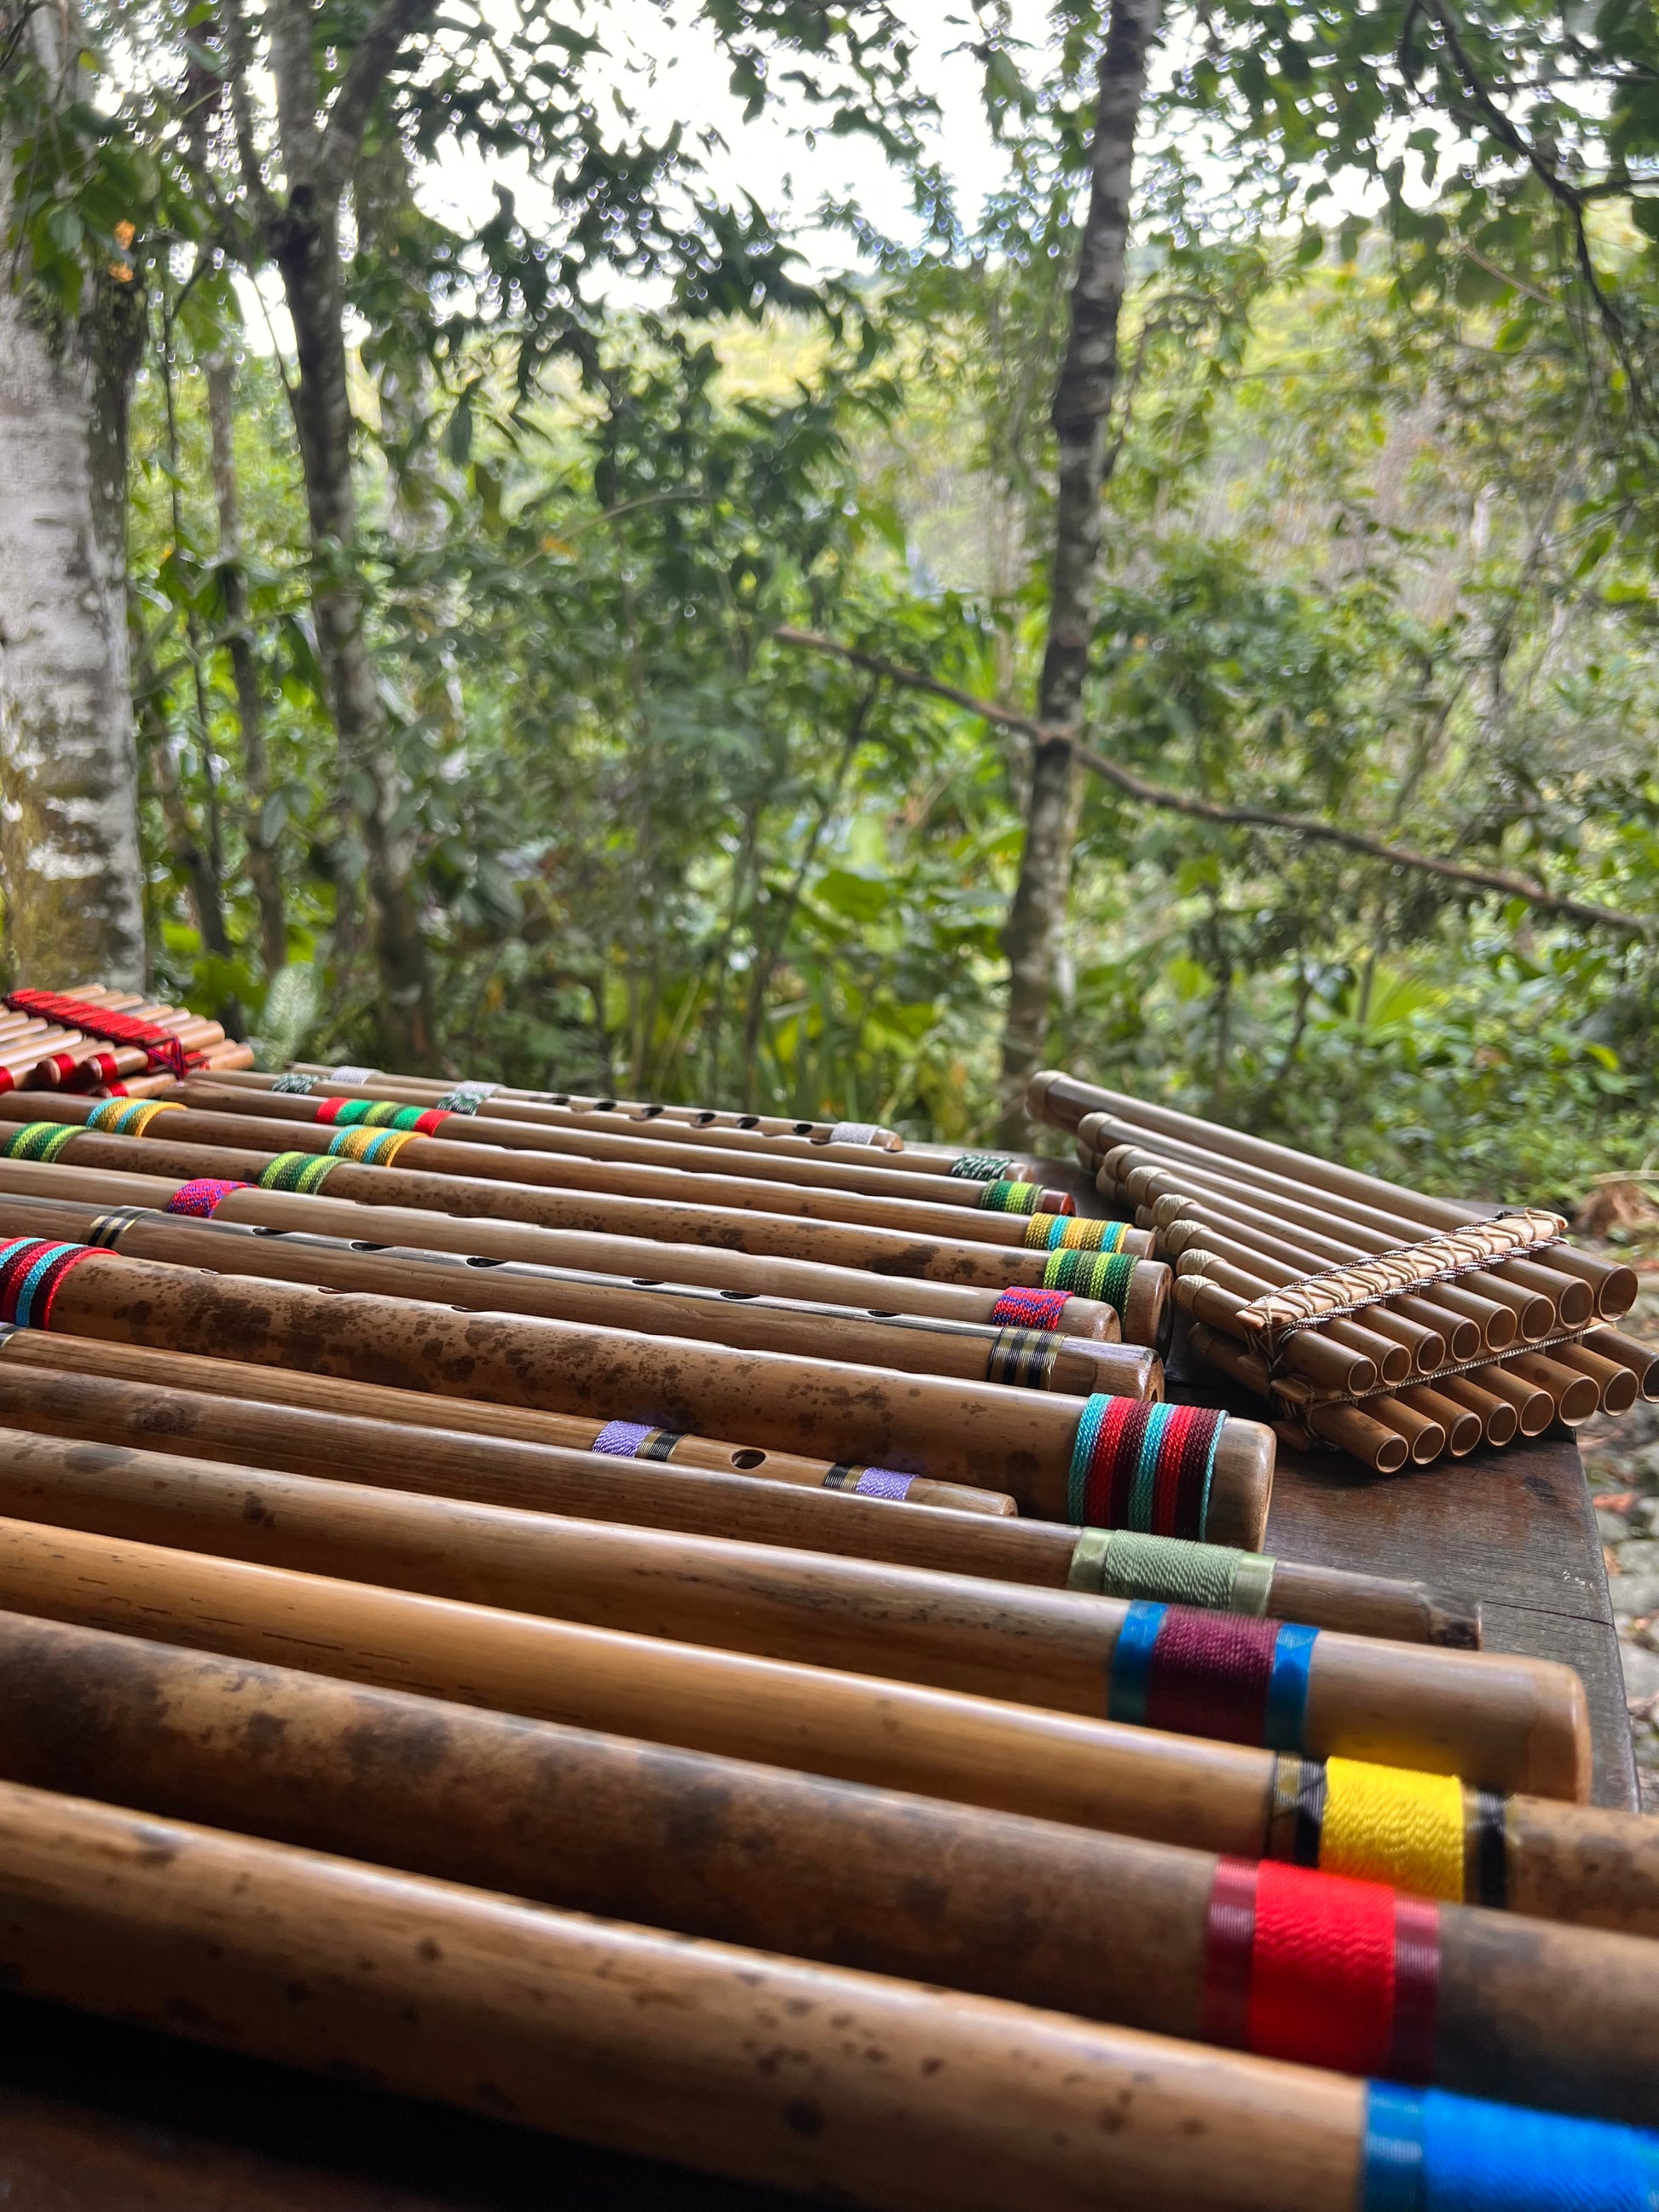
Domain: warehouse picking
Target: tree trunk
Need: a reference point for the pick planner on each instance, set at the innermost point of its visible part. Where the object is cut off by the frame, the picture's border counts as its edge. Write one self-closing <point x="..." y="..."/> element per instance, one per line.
<point x="68" y="834"/>
<point x="188" y="853"/>
<point x="1083" y="399"/>
<point x="263" y="866"/>
<point x="308" y="256"/>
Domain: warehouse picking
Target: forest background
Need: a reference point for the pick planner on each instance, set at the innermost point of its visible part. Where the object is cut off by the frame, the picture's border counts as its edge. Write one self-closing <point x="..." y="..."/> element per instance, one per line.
<point x="474" y="720"/>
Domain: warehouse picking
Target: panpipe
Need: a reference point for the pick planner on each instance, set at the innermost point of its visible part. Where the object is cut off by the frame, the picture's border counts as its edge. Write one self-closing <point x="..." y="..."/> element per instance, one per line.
<point x="467" y="1623"/>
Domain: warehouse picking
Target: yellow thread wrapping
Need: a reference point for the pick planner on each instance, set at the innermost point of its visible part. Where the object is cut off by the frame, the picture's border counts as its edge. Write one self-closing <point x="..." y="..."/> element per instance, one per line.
<point x="1388" y="1824"/>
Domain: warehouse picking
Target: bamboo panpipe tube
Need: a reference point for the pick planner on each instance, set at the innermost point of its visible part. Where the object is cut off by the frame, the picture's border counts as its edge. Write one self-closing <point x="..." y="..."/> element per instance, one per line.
<point x="1395" y="1356"/>
<point x="827" y="1870"/>
<point x="1500" y="1421"/>
<point x="1425" y="1438"/>
<point x="1525" y="1727"/>
<point x="857" y="1174"/>
<point x="1017" y="1440"/>
<point x="502" y="1470"/>
<point x="1133" y="1166"/>
<point x="272" y="1388"/>
<point x="1462" y="1427"/>
<point x="1454" y="1303"/>
<point x="1534" y="1408"/>
<point x="1458" y="1337"/>
<point x="881" y="1251"/>
<point x="1574" y="1396"/>
<point x="1641" y="1359"/>
<point x="1052" y="1649"/>
<point x="1382" y="1448"/>
<point x="971" y="1351"/>
<point x="1615" y="1286"/>
<point x="322" y="1214"/>
<point x="1617" y="1387"/>
<point x="452" y="1163"/>
<point x="1306" y="1354"/>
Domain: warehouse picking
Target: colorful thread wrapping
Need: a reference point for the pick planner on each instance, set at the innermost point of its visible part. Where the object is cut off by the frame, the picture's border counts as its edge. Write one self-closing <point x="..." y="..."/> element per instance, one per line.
<point x="98" y="1070"/>
<point x="160" y="1047"/>
<point x="203" y="1197"/>
<point x="294" y="1086"/>
<point x="634" y="1440"/>
<point x="38" y="1140"/>
<point x="301" y="1171"/>
<point x="1102" y="1275"/>
<point x="981" y="1167"/>
<point x="379" y="1113"/>
<point x="1214" y="1674"/>
<point x="1388" y="1824"/>
<point x="1119" y="1563"/>
<point x="869" y="1481"/>
<point x="8" y="1081"/>
<point x="1321" y="1970"/>
<point x="1024" y="1308"/>
<point x="1009" y="1197"/>
<point x="1052" y="1232"/>
<point x="32" y="1268"/>
<point x="1023" y="1358"/>
<point x="459" y="1102"/>
<point x="1144" y="1466"/>
<point x="128" y="1117"/>
<point x="370" y="1148"/>
<point x="1426" y="2150"/>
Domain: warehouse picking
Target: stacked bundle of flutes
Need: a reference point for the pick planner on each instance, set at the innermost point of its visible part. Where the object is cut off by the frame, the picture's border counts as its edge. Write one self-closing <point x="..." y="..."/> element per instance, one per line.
<point x="431" y="1517"/>
<point x="1397" y="1327"/>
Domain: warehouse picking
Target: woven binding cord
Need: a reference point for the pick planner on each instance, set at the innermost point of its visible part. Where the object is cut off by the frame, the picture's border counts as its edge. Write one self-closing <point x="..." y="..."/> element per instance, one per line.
<point x="869" y="1481"/>
<point x="1148" y="1468"/>
<point x="98" y="1071"/>
<point x="1416" y="1831"/>
<point x="380" y="1113"/>
<point x="1429" y="2151"/>
<point x="32" y="1270"/>
<point x="203" y="1197"/>
<point x="128" y="1117"/>
<point x="160" y="1047"/>
<point x="1055" y="1232"/>
<point x="1102" y="1275"/>
<point x="1009" y="1197"/>
<point x="1022" y="1308"/>
<point x="1212" y="1674"/>
<point x="38" y="1140"/>
<point x="634" y="1440"/>
<point x="981" y="1167"/>
<point x="1023" y="1358"/>
<point x="1322" y="1971"/>
<point x="856" y="1133"/>
<point x="459" y="1102"/>
<point x="1119" y="1563"/>
<point x="370" y="1148"/>
<point x="294" y="1086"/>
<point x="301" y="1171"/>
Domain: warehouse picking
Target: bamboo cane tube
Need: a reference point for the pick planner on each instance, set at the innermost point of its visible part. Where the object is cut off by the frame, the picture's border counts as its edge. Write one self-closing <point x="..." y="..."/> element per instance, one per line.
<point x="1500" y="1420"/>
<point x="627" y="1148"/>
<point x="503" y="1471"/>
<point x="1381" y="1448"/>
<point x="1526" y="1727"/>
<point x="1454" y="1301"/>
<point x="1535" y="1313"/>
<point x="1534" y="1408"/>
<point x="1425" y="1438"/>
<point x="1052" y="1649"/>
<point x="453" y="1162"/>
<point x="273" y="1387"/>
<point x="1306" y="1352"/>
<point x="834" y="1883"/>
<point x="1462" y="1427"/>
<point x="1617" y="1386"/>
<point x="971" y="1351"/>
<point x="1018" y="1441"/>
<point x="1641" y="1359"/>
<point x="1395" y="1349"/>
<point x="1574" y="1396"/>
<point x="1615" y="1286"/>
<point x="1206" y="1261"/>
<point x="323" y="1214"/>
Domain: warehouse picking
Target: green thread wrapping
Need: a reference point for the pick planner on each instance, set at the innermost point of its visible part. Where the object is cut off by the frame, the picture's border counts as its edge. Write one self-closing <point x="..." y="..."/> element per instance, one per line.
<point x="40" y="1140"/>
<point x="297" y="1171"/>
<point x="1009" y="1197"/>
<point x="377" y="1114"/>
<point x="1121" y="1563"/>
<point x="980" y="1167"/>
<point x="1103" y="1275"/>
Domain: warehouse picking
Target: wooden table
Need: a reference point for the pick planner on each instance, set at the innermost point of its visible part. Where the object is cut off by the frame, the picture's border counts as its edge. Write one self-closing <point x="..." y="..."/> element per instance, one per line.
<point x="99" y="2118"/>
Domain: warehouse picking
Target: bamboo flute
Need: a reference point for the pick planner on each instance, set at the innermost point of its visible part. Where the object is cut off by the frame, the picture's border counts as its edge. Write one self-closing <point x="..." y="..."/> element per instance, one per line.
<point x="1529" y="1730"/>
<point x="860" y="2088"/>
<point x="1062" y="1650"/>
<point x="1023" y="1441"/>
<point x="450" y="1163"/>
<point x="988" y="1264"/>
<point x="853" y="1176"/>
<point x="826" y="1870"/>
<point x="643" y="1258"/>
<point x="1022" y="1358"/>
<point x="444" y="1461"/>
<point x="1061" y="1098"/>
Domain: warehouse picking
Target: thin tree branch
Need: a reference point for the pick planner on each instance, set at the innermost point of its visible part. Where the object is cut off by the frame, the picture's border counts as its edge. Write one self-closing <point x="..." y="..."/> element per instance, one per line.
<point x="241" y="109"/>
<point x="393" y="21"/>
<point x="1205" y="809"/>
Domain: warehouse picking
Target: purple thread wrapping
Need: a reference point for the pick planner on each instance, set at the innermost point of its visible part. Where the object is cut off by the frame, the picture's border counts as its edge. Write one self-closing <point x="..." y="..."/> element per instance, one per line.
<point x="882" y="1482"/>
<point x="620" y="1439"/>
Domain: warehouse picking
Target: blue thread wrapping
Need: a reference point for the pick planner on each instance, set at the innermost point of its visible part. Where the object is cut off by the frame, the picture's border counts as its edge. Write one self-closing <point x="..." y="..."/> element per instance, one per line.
<point x="1429" y="2151"/>
<point x="1287" y="1689"/>
<point x="1083" y="1449"/>
<point x="1138" y="1511"/>
<point x="1132" y="1664"/>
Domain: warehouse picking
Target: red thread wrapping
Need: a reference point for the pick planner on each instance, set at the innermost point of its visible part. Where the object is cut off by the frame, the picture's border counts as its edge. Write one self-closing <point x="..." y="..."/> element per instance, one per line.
<point x="202" y="1198"/>
<point x="160" y="1047"/>
<point x="327" y="1108"/>
<point x="46" y="1297"/>
<point x="1022" y="1309"/>
<point x="1209" y="1674"/>
<point x="97" y="1071"/>
<point x="1330" y="1986"/>
<point x="13" y="1271"/>
<point x="430" y="1122"/>
<point x="1229" y="1941"/>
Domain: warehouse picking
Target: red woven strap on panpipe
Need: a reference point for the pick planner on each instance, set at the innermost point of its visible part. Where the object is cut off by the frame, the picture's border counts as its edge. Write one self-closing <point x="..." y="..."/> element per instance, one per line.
<point x="160" y="1046"/>
<point x="1322" y="1971"/>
